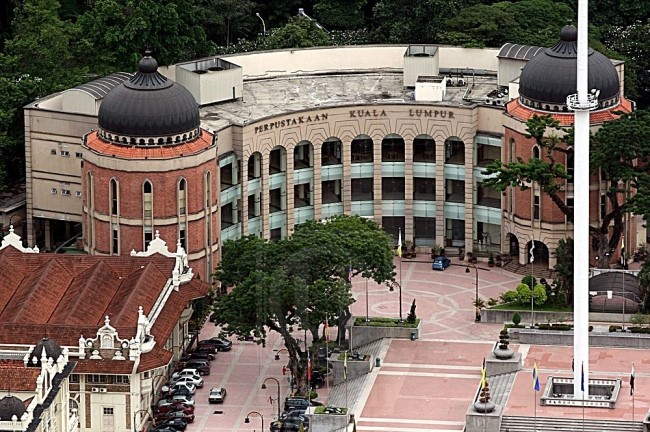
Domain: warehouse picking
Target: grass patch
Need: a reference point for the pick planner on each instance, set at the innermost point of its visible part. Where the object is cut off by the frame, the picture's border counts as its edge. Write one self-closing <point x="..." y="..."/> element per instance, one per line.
<point x="542" y="308"/>
<point x="385" y="322"/>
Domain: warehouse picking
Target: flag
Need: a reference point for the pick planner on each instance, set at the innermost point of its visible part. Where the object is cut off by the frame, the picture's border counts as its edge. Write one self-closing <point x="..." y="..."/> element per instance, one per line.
<point x="632" y="381"/>
<point x="399" y="244"/>
<point x="345" y="365"/>
<point x="483" y="378"/>
<point x="532" y="253"/>
<point x="582" y="377"/>
<point x="535" y="377"/>
<point x="308" y="366"/>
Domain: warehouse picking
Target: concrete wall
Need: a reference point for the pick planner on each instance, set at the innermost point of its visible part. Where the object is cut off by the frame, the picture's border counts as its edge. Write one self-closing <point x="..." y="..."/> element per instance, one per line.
<point x="505" y="316"/>
<point x="362" y="335"/>
<point x="622" y="340"/>
<point x="326" y="422"/>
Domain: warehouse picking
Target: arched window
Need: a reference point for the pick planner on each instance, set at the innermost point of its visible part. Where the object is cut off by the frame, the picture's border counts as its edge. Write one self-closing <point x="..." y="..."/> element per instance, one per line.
<point x="392" y="148"/>
<point x="114" y="197"/>
<point x="513" y="154"/>
<point x="254" y="166"/>
<point x="362" y="149"/>
<point x="147" y="199"/>
<point x="182" y="196"/>
<point x="536" y="154"/>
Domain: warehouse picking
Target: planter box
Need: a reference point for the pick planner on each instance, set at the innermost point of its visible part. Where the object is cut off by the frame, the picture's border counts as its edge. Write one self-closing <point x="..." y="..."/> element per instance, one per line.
<point x="326" y="422"/>
<point x="356" y="368"/>
<point x="362" y="335"/>
<point x="505" y="316"/>
<point x="550" y="337"/>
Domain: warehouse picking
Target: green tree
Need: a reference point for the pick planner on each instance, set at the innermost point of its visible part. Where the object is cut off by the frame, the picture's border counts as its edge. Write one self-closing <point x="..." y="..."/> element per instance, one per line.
<point x="225" y="21"/>
<point x="564" y="269"/>
<point x="539" y="21"/>
<point x="340" y="14"/>
<point x="120" y="31"/>
<point x="298" y="33"/>
<point x="297" y="282"/>
<point x="644" y="285"/>
<point x="481" y="25"/>
<point x="395" y="21"/>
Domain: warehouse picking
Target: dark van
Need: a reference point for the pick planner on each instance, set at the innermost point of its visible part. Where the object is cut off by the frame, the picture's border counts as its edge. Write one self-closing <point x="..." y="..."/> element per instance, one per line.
<point x="200" y="365"/>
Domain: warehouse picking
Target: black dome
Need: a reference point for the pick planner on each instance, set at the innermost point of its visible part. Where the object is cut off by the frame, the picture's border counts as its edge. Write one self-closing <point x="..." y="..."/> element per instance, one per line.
<point x="550" y="76"/>
<point x="52" y="349"/>
<point x="11" y="406"/>
<point x="148" y="105"/>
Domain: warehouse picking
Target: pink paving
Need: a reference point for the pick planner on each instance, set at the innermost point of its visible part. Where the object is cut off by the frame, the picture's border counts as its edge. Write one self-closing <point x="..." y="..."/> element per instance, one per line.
<point x="423" y="385"/>
<point x="604" y="363"/>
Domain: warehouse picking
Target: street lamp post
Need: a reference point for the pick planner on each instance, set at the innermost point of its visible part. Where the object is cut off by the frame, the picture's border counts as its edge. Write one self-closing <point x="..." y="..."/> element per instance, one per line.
<point x="135" y="428"/>
<point x="478" y="311"/>
<point x="257" y="14"/>
<point x="391" y="288"/>
<point x="278" y="384"/>
<point x="248" y="420"/>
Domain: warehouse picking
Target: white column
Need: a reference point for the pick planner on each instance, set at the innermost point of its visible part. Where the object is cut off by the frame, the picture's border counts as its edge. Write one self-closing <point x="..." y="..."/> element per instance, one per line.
<point x="581" y="215"/>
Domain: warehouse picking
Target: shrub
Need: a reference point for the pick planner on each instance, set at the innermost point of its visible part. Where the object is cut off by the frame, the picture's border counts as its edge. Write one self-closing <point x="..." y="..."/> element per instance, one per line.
<point x="411" y="316"/>
<point x="539" y="295"/>
<point x="523" y="293"/>
<point x="516" y="319"/>
<point x="504" y="339"/>
<point x="529" y="280"/>
<point x="559" y="327"/>
<point x="613" y="328"/>
<point x="639" y="318"/>
<point x="509" y="296"/>
<point x="313" y="395"/>
<point x="492" y="301"/>
<point x="384" y="322"/>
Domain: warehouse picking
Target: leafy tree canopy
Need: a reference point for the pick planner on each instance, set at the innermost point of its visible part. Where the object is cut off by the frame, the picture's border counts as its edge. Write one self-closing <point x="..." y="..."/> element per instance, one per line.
<point x="564" y="269"/>
<point x="122" y="29"/>
<point x="297" y="282"/>
<point x="298" y="33"/>
<point x="340" y="14"/>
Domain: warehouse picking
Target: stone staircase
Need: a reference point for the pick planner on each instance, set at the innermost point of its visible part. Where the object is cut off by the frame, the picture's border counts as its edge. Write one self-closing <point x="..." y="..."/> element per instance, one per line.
<point x="500" y="386"/>
<point x="540" y="271"/>
<point x="556" y="424"/>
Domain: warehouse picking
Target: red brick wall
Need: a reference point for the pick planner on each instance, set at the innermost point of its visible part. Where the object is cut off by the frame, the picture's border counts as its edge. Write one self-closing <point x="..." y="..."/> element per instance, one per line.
<point x="165" y="206"/>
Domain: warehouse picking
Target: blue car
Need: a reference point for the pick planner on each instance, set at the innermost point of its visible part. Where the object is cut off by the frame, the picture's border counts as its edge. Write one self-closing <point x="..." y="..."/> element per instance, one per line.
<point x="440" y="263"/>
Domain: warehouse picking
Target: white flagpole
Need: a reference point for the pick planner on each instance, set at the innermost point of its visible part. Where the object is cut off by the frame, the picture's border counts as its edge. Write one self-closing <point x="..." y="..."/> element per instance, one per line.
<point x="532" y="282"/>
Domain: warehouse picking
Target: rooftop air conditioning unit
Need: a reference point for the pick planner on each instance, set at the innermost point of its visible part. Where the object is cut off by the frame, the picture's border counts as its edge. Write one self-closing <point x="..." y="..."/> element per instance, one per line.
<point x="103" y="390"/>
<point x="461" y="82"/>
<point x="499" y="102"/>
<point x="95" y="389"/>
<point x="488" y="101"/>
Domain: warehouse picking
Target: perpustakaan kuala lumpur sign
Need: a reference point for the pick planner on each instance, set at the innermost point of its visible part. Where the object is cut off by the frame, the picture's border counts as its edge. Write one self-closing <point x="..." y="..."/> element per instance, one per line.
<point x="357" y="113"/>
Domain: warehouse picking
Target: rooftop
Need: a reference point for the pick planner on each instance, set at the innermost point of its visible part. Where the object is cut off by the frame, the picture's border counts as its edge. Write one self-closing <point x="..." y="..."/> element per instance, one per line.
<point x="272" y="97"/>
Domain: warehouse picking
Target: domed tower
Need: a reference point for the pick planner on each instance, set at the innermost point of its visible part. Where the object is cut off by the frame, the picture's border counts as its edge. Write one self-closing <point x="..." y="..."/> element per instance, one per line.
<point x="52" y="350"/>
<point x="11" y="406"/>
<point x="531" y="217"/>
<point x="151" y="168"/>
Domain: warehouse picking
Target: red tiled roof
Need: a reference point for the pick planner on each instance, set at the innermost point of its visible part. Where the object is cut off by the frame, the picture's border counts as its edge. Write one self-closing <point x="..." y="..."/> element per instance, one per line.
<point x="15" y="376"/>
<point x="67" y="296"/>
<point x="524" y="113"/>
<point x="98" y="145"/>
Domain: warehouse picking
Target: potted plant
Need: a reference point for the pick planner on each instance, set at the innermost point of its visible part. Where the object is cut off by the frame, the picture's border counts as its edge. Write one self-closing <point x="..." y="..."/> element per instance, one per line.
<point x="497" y="260"/>
<point x="502" y="352"/>
<point x="461" y="253"/>
<point x="491" y="260"/>
<point x="435" y="251"/>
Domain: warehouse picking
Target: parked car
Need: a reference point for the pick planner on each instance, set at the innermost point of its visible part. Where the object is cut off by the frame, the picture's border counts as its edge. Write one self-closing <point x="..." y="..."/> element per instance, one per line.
<point x="202" y="367"/>
<point x="165" y="405"/>
<point x="162" y="429"/>
<point x="177" y="406"/>
<point x="217" y="395"/>
<point x="184" y="385"/>
<point x="197" y="382"/>
<point x="198" y="355"/>
<point x="206" y="347"/>
<point x="189" y="418"/>
<point x="440" y="263"/>
<point x="182" y="390"/>
<point x="298" y="403"/>
<point x="178" y="424"/>
<point x="188" y="372"/>
<point x="220" y="344"/>
<point x="285" y="426"/>
<point x="187" y="400"/>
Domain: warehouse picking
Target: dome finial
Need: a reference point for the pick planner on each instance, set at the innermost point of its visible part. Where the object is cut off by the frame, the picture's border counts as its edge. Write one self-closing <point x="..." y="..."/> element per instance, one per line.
<point x="147" y="64"/>
<point x="569" y="33"/>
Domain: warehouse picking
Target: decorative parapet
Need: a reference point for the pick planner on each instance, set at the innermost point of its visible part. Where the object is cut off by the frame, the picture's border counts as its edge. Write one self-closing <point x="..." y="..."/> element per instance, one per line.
<point x="108" y="344"/>
<point x="182" y="272"/>
<point x="13" y="239"/>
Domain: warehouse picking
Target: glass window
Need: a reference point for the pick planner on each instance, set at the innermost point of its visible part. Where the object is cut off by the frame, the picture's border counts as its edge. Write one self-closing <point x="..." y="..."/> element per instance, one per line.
<point x="362" y="189"/>
<point x="424" y="149"/>
<point x="362" y="149"/>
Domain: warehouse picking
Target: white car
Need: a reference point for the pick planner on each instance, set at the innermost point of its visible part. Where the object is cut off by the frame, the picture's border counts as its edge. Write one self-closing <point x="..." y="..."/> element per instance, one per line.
<point x="217" y="395"/>
<point x="193" y="373"/>
<point x="187" y="400"/>
<point x="198" y="382"/>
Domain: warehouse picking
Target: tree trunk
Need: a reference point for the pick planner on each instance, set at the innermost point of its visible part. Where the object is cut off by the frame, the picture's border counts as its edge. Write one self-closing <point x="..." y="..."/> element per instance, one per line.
<point x="343" y="320"/>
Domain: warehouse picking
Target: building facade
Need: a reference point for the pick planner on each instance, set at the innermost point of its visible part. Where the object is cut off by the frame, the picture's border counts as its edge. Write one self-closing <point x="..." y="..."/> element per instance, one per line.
<point x="399" y="134"/>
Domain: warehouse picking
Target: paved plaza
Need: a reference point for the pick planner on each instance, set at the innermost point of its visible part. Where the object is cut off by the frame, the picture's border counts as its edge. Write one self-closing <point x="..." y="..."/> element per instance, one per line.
<point x="423" y="385"/>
